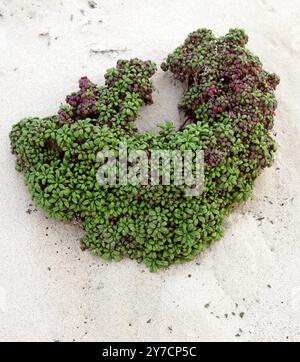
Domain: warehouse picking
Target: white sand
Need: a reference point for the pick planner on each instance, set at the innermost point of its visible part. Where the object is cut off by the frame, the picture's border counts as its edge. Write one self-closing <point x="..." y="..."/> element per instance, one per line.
<point x="254" y="270"/>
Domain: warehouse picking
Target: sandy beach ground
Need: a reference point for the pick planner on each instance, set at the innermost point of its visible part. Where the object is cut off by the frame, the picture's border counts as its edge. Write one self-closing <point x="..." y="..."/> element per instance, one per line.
<point x="245" y="287"/>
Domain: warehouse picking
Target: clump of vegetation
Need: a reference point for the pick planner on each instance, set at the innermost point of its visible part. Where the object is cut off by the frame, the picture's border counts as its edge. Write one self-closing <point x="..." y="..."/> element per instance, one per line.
<point x="229" y="105"/>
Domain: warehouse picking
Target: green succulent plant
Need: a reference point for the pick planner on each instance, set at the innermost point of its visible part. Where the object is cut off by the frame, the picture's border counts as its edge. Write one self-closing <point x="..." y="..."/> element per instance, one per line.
<point x="229" y="104"/>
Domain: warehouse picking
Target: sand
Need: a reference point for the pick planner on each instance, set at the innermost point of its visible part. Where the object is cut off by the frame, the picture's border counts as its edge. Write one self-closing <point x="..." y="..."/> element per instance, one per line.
<point x="245" y="287"/>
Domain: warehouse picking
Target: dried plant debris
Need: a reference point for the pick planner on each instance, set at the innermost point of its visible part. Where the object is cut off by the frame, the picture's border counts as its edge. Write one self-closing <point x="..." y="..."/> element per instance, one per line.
<point x="92" y="4"/>
<point x="109" y="51"/>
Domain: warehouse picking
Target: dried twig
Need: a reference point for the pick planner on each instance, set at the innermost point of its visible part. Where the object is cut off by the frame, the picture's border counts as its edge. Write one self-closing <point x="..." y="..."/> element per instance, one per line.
<point x="108" y="51"/>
